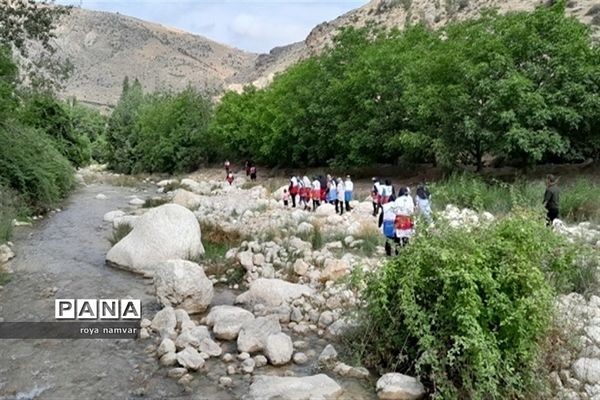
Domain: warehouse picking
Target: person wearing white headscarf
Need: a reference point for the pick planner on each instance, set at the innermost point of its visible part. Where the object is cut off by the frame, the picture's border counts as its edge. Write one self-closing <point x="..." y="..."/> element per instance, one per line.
<point x="404" y="207"/>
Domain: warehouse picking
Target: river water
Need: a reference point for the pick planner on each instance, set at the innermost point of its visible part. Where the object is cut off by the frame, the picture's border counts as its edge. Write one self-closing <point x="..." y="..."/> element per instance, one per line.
<point x="63" y="257"/>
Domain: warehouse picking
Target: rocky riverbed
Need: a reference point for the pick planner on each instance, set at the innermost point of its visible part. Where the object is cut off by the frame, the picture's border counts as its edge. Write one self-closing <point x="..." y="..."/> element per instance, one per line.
<point x="260" y="321"/>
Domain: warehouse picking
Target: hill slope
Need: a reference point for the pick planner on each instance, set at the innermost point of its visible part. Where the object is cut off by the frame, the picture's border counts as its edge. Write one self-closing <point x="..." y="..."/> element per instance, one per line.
<point x="399" y="13"/>
<point x="105" y="47"/>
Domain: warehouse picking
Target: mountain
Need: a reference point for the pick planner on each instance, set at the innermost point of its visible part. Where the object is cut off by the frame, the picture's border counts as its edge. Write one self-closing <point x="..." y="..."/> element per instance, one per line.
<point x="105" y="47"/>
<point x="399" y="13"/>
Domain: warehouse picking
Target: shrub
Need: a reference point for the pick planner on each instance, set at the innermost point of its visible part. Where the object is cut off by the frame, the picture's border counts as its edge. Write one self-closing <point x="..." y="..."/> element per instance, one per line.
<point x="155" y="202"/>
<point x="8" y="211"/>
<point x="465" y="311"/>
<point x="119" y="233"/>
<point x="31" y="165"/>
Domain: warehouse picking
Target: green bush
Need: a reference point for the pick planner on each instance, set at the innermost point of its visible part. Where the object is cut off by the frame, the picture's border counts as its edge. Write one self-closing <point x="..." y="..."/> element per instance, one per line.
<point x="579" y="199"/>
<point x="31" y="165"/>
<point x="465" y="311"/>
<point x="45" y="112"/>
<point x="9" y="210"/>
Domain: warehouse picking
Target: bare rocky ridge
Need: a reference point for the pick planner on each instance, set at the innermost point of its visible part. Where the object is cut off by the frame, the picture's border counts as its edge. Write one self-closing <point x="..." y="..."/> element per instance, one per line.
<point x="104" y="47"/>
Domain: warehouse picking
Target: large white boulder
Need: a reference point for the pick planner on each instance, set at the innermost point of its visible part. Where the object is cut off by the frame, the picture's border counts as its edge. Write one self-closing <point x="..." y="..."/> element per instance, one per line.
<point x="226" y="321"/>
<point x="273" y="292"/>
<point x="293" y="388"/>
<point x="163" y="233"/>
<point x="253" y="334"/>
<point x="279" y="348"/>
<point x="183" y="284"/>
<point x="187" y="199"/>
<point x="394" y="386"/>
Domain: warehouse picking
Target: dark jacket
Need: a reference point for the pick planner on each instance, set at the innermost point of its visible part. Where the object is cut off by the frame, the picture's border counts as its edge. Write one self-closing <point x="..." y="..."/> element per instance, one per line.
<point x="551" y="198"/>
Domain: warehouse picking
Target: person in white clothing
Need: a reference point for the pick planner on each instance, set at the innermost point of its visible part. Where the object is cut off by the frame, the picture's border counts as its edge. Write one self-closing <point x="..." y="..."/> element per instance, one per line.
<point x="341" y="193"/>
<point x="316" y="193"/>
<point x="349" y="186"/>
<point x="405" y="209"/>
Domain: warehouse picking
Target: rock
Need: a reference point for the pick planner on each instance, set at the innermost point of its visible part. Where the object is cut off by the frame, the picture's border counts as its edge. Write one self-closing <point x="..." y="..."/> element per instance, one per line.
<point x="164" y="322"/>
<point x="243" y="356"/>
<point x="328" y="357"/>
<point x="300" y="267"/>
<point x="248" y="366"/>
<point x="293" y="388"/>
<point x="163" y="233"/>
<point x="182" y="318"/>
<point x="136" y="201"/>
<point x="226" y="321"/>
<point x="334" y="269"/>
<point x="296" y="315"/>
<point x="176" y="373"/>
<point x="258" y="259"/>
<point x="231" y="370"/>
<point x="192" y="337"/>
<point x="325" y="210"/>
<point x="210" y="347"/>
<point x="260" y="361"/>
<point x="273" y="292"/>
<point x="190" y="358"/>
<point x="186" y="379"/>
<point x="146" y="323"/>
<point x="253" y="334"/>
<point x="112" y="215"/>
<point x="279" y="348"/>
<point x="101" y="196"/>
<point x="334" y="246"/>
<point x="187" y="199"/>
<point x="166" y="182"/>
<point x="144" y="334"/>
<point x="225" y="381"/>
<point x="300" y="358"/>
<point x="349" y="371"/>
<point x="183" y="284"/>
<point x="166" y="346"/>
<point x="587" y="370"/>
<point x="5" y="253"/>
<point x="325" y="319"/>
<point x="394" y="386"/>
<point x="168" y="359"/>
<point x="246" y="259"/>
<point x="191" y="184"/>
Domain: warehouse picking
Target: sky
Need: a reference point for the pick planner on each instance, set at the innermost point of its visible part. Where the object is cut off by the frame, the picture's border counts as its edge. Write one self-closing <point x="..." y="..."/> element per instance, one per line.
<point x="251" y="25"/>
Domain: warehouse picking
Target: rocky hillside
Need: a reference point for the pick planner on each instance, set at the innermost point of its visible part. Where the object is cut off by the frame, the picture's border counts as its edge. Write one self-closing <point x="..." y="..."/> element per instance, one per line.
<point x="105" y="47"/>
<point x="399" y="13"/>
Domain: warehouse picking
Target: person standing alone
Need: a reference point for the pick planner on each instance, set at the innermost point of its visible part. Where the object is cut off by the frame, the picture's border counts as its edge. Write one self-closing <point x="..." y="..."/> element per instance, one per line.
<point x="551" y="199"/>
<point x="349" y="186"/>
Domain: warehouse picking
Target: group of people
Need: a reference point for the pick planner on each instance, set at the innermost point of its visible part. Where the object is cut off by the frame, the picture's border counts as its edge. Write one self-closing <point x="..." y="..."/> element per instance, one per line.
<point x="248" y="166"/>
<point x="309" y="194"/>
<point x="396" y="213"/>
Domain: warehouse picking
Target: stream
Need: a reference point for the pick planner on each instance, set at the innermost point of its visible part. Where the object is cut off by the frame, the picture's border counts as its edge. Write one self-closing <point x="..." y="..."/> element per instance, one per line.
<point x="63" y="256"/>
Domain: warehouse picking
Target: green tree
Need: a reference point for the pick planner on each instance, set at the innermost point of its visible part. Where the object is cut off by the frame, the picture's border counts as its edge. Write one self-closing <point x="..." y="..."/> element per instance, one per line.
<point x="171" y="133"/>
<point x="120" y="133"/>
